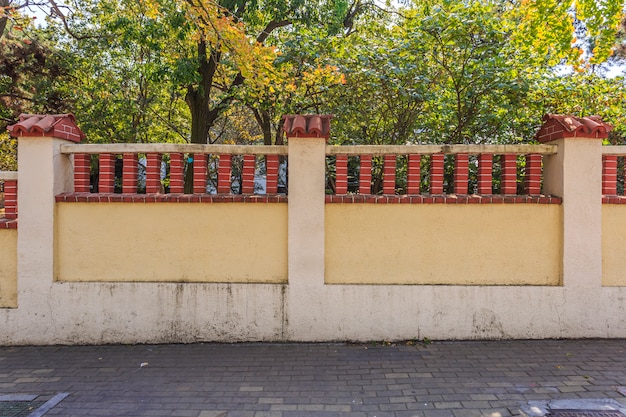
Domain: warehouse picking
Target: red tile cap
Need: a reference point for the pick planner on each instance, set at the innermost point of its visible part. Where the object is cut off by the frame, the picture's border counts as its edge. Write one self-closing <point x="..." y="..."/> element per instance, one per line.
<point x="62" y="126"/>
<point x="307" y="126"/>
<point x="563" y="126"/>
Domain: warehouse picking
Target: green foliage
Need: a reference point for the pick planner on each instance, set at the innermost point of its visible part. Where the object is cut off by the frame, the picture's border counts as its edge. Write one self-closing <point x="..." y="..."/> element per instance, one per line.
<point x="585" y="95"/>
<point x="446" y="72"/>
<point x="8" y="152"/>
<point x="31" y="74"/>
<point x="600" y="18"/>
<point x="121" y="89"/>
<point x="443" y="71"/>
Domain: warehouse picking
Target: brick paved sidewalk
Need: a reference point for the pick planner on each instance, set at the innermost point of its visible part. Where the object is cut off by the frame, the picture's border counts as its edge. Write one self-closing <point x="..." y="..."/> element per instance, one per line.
<point x="460" y="379"/>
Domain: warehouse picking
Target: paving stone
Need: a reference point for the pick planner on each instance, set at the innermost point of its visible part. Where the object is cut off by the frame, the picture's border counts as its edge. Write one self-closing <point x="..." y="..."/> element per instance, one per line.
<point x="281" y="380"/>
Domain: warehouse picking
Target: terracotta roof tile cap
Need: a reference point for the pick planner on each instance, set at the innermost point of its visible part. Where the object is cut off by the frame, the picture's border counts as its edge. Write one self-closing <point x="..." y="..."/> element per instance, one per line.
<point x="583" y="124"/>
<point x="307" y="126"/>
<point x="572" y="126"/>
<point x="57" y="125"/>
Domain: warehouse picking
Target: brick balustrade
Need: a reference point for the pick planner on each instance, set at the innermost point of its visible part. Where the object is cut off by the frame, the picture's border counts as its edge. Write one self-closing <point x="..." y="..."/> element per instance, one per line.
<point x="407" y="174"/>
<point x="471" y="163"/>
<point x="211" y="164"/>
<point x="10" y="200"/>
<point x="613" y="174"/>
<point x="424" y="172"/>
<point x="439" y="173"/>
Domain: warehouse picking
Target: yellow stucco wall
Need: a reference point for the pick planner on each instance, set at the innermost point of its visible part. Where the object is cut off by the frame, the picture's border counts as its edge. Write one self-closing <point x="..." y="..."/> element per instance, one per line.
<point x="165" y="242"/>
<point x="613" y="245"/>
<point x="8" y="268"/>
<point x="486" y="244"/>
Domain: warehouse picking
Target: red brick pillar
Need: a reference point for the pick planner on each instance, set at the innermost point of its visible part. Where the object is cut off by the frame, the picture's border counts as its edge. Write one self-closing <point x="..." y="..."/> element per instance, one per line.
<point x="153" y="173"/>
<point x="341" y="175"/>
<point x="129" y="173"/>
<point x="532" y="175"/>
<point x="106" y="179"/>
<point x="223" y="174"/>
<point x="247" y="176"/>
<point x="389" y="174"/>
<point x="82" y="170"/>
<point x="271" y="174"/>
<point x="365" y="175"/>
<point x="10" y="199"/>
<point x="199" y="173"/>
<point x="509" y="174"/>
<point x="413" y="175"/>
<point x="177" y="177"/>
<point x="436" y="173"/>
<point x="485" y="174"/>
<point x="609" y="174"/>
<point x="461" y="173"/>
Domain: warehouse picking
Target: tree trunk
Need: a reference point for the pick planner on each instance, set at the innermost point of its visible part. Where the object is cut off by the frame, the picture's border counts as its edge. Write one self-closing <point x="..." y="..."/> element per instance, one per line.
<point x="4" y="19"/>
<point x="199" y="107"/>
<point x="198" y="97"/>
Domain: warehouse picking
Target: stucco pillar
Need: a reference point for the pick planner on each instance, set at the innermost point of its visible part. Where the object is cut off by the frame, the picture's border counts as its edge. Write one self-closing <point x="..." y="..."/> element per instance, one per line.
<point x="307" y="152"/>
<point x="306" y="235"/>
<point x="43" y="172"/>
<point x="575" y="174"/>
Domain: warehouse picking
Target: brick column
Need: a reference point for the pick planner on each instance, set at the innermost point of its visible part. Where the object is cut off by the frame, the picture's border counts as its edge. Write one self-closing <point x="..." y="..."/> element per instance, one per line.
<point x="129" y="173"/>
<point x="82" y="171"/>
<point x="575" y="174"/>
<point x="247" y="175"/>
<point x="509" y="174"/>
<point x="461" y="173"/>
<point x="389" y="174"/>
<point x="437" y="170"/>
<point x="341" y="175"/>
<point x="609" y="174"/>
<point x="199" y="173"/>
<point x="106" y="176"/>
<point x="532" y="175"/>
<point x="271" y="174"/>
<point x="365" y="175"/>
<point x="153" y="173"/>
<point x="177" y="176"/>
<point x="413" y="175"/>
<point x="10" y="199"/>
<point x="485" y="174"/>
<point x="224" y="172"/>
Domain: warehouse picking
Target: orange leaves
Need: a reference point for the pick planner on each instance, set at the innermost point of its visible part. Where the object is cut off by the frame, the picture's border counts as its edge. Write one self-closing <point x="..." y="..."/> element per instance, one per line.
<point x="217" y="27"/>
<point x="225" y="35"/>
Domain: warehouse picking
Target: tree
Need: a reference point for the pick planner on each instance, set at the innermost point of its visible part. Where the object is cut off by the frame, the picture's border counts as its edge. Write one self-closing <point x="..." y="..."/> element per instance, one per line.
<point x="230" y="49"/>
<point x="120" y="85"/>
<point x="31" y="71"/>
<point x="460" y="72"/>
<point x="441" y="72"/>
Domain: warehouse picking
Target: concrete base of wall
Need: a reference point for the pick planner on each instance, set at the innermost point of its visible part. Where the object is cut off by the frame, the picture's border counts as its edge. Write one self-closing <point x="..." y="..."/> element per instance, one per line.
<point x="183" y="313"/>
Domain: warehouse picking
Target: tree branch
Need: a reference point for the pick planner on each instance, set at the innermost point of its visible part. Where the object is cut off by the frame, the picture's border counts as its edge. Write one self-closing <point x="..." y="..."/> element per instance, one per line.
<point x="56" y="11"/>
<point x="239" y="78"/>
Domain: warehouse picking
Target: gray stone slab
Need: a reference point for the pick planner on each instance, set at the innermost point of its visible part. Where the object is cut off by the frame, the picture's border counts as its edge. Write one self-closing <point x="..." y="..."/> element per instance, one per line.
<point x="18" y="397"/>
<point x="543" y="408"/>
